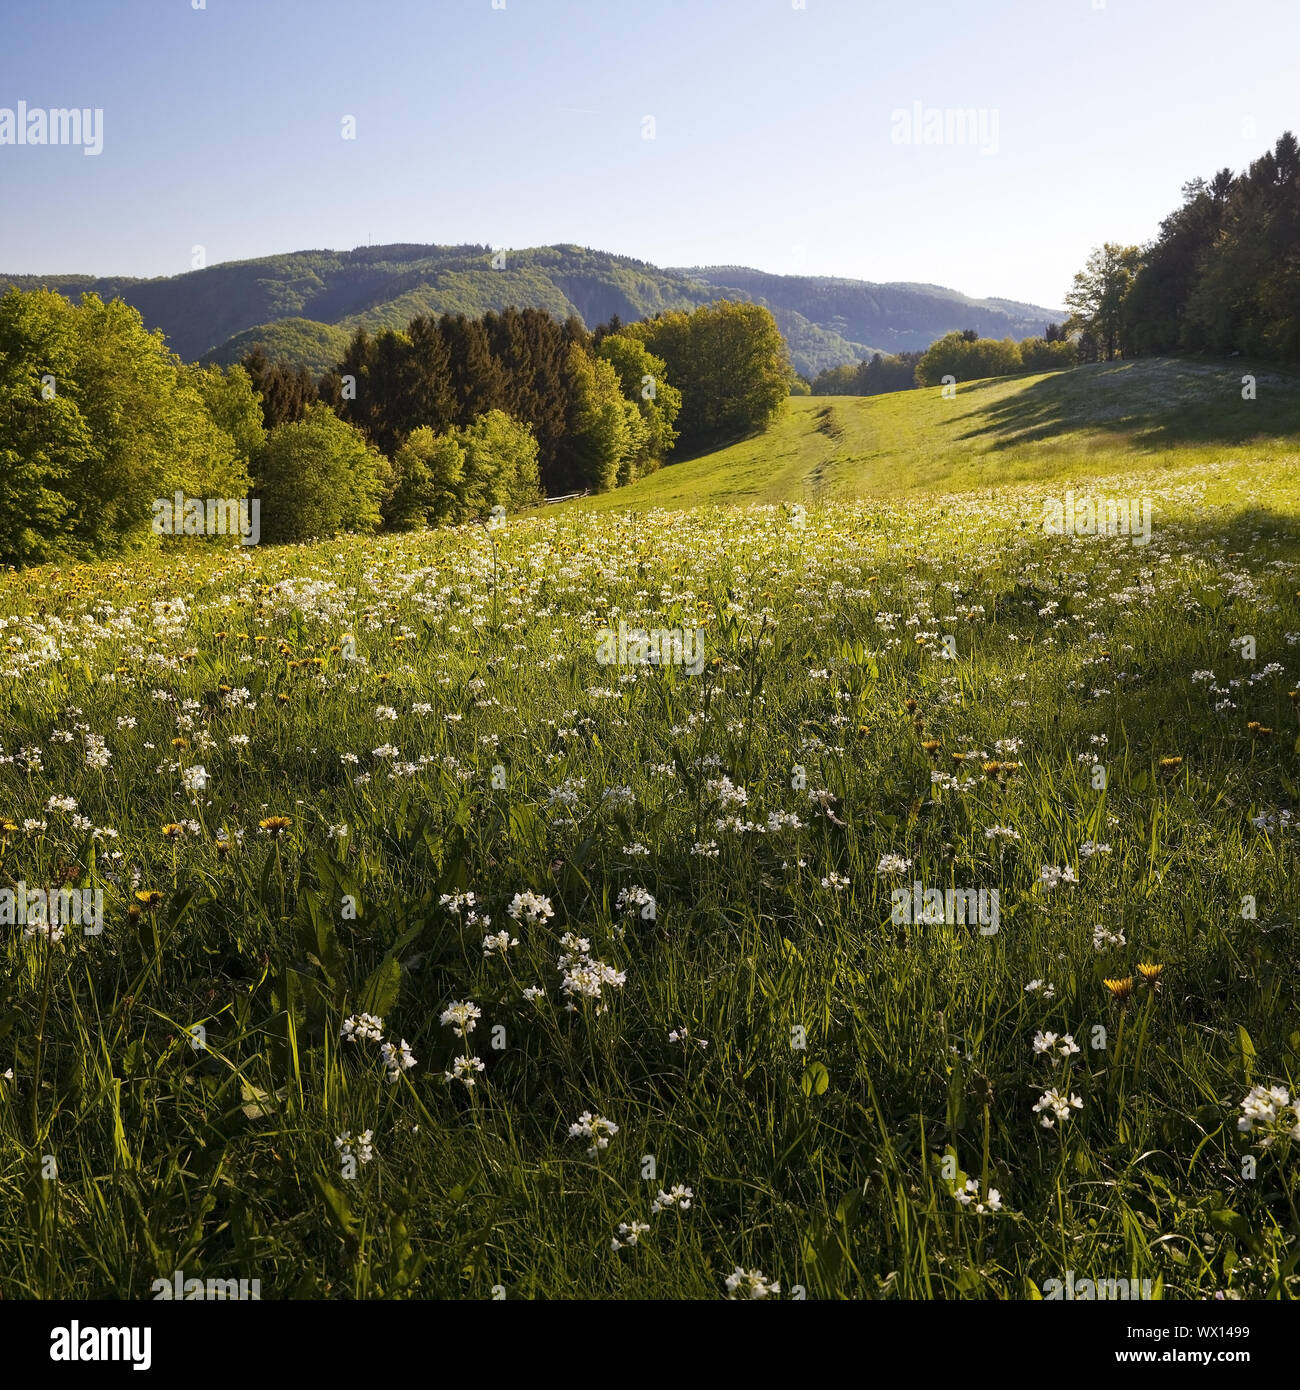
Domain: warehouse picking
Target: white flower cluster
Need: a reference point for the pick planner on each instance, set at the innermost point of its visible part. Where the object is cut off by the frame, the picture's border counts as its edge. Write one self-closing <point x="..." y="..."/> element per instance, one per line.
<point x="970" y="1195"/>
<point x="584" y="977"/>
<point x="501" y="942"/>
<point x="97" y="754"/>
<point x="368" y="1028"/>
<point x="397" y="1059"/>
<point x="1051" y="1045"/>
<point x="631" y="1232"/>
<point x="595" y="1128"/>
<point x="363" y="1028"/>
<point x="678" y="1198"/>
<point x="636" y="897"/>
<point x="1051" y="877"/>
<point x="466" y="1069"/>
<point x="461" y="1018"/>
<point x="1054" y="1101"/>
<point x="1265" y="1108"/>
<point x="359" y="1148"/>
<point x="750" y="1283"/>
<point x="531" y="908"/>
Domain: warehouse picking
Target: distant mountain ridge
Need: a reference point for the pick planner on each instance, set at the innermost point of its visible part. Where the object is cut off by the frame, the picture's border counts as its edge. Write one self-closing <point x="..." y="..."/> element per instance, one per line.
<point x="304" y="305"/>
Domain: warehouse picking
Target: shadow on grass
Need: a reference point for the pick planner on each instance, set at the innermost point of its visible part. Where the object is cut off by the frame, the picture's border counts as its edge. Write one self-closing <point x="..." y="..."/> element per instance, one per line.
<point x="1153" y="403"/>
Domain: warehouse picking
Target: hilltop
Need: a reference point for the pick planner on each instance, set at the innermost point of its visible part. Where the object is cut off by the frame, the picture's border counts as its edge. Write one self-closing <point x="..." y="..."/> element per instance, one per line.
<point x="302" y="306"/>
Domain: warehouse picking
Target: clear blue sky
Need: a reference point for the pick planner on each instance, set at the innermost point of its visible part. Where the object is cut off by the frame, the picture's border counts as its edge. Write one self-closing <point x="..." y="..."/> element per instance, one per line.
<point x="522" y="126"/>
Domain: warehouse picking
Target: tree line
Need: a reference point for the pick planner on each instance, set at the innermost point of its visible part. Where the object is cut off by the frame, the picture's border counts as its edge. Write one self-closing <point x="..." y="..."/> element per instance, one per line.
<point x="1222" y="276"/>
<point x="436" y="423"/>
<point x="962" y="354"/>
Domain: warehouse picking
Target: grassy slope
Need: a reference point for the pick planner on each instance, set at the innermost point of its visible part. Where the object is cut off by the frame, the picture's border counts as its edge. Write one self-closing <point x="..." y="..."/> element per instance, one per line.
<point x="1106" y="418"/>
<point x="822" y="1165"/>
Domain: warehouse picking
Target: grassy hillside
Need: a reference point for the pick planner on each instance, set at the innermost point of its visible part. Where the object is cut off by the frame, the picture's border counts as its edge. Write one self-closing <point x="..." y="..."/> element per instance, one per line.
<point x="217" y="312"/>
<point x="1102" y="418"/>
<point x="654" y="1025"/>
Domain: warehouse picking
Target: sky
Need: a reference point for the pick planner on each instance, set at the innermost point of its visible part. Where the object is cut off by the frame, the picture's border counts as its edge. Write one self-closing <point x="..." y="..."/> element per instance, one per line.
<point x="778" y="129"/>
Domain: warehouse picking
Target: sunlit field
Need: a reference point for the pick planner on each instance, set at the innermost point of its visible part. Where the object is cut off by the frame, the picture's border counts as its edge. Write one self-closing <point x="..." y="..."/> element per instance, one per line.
<point x="442" y="958"/>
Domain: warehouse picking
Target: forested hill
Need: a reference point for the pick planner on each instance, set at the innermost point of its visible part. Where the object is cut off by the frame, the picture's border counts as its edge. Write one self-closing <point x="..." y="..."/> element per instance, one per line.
<point x="302" y="306"/>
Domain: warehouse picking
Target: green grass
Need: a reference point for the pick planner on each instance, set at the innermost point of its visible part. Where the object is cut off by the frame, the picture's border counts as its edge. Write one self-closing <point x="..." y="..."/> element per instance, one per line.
<point x="126" y="1153"/>
<point x="1104" y="418"/>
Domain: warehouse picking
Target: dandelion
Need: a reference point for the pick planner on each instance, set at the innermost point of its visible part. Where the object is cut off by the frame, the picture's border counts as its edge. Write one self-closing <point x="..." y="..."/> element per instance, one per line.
<point x="172" y="831"/>
<point x="1150" y="973"/>
<point x="1120" y="989"/>
<point x="274" y="826"/>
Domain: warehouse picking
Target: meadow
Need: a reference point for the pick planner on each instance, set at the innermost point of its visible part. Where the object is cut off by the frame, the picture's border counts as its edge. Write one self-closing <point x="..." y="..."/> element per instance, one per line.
<point x="441" y="959"/>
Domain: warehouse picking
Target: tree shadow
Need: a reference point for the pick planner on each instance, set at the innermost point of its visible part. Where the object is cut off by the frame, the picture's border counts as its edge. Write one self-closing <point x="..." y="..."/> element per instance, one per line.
<point x="1184" y="402"/>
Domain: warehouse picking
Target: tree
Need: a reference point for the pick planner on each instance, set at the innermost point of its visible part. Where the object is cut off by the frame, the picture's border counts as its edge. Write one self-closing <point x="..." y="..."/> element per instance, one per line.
<point x="430" y="472"/>
<point x="98" y="420"/>
<point x="478" y="382"/>
<point x="500" y="465"/>
<point x="1047" y="354"/>
<point x="286" y="391"/>
<point x="318" y="476"/>
<point x="235" y="407"/>
<point x="600" y="438"/>
<point x="1097" y="299"/>
<point x="730" y="363"/>
<point x="43" y="437"/>
<point x="967" y="359"/>
<point x="643" y="380"/>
